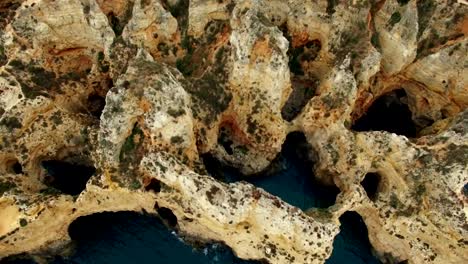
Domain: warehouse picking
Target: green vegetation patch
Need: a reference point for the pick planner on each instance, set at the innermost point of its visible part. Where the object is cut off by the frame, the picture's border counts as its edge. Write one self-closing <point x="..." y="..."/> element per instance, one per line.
<point x="177" y="140"/>
<point x="394" y="19"/>
<point x="23" y="222"/>
<point x="131" y="143"/>
<point x="11" y="123"/>
<point x="6" y="186"/>
<point x="209" y="94"/>
<point x="3" y="57"/>
<point x="176" y="112"/>
<point x="426" y="10"/>
<point x="403" y="2"/>
<point x="35" y="80"/>
<point x="103" y="65"/>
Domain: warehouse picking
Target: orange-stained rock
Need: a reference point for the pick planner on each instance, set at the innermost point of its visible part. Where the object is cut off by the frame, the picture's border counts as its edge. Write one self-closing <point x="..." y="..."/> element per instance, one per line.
<point x="139" y="91"/>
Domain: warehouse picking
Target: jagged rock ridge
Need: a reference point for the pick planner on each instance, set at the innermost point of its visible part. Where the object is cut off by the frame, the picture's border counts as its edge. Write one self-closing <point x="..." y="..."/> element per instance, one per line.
<point x="134" y="92"/>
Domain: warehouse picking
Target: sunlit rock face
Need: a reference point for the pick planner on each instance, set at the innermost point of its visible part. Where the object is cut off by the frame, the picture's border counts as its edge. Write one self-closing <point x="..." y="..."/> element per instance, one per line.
<point x="113" y="105"/>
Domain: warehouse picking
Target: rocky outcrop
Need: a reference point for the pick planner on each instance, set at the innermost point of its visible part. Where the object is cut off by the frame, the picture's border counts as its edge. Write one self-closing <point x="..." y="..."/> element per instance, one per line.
<point x="136" y="92"/>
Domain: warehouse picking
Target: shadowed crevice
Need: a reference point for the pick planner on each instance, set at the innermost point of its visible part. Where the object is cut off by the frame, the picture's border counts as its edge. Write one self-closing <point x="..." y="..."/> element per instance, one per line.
<point x="13" y="166"/>
<point x="67" y="177"/>
<point x="96" y="104"/>
<point x="389" y="112"/>
<point x="17" y="168"/>
<point x="303" y="82"/>
<point x="224" y="139"/>
<point x="352" y="244"/>
<point x="303" y="90"/>
<point x="153" y="185"/>
<point x="371" y="183"/>
<point x="168" y="216"/>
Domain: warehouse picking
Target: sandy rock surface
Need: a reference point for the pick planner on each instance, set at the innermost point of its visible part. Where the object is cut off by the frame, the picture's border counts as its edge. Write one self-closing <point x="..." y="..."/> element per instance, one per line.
<point x="135" y="93"/>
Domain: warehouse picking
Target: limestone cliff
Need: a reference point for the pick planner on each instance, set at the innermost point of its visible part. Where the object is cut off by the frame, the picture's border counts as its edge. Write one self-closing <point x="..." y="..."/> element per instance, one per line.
<point x="132" y="94"/>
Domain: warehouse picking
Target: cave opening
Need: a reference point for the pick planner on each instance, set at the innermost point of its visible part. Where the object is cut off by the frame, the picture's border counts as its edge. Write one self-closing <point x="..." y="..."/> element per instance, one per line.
<point x="352" y="244"/>
<point x="67" y="177"/>
<point x="14" y="166"/>
<point x="290" y="175"/>
<point x="17" y="168"/>
<point x="370" y="183"/>
<point x="96" y="104"/>
<point x="123" y="237"/>
<point x="389" y="112"/>
<point x="224" y="139"/>
<point x="153" y="185"/>
<point x="167" y="215"/>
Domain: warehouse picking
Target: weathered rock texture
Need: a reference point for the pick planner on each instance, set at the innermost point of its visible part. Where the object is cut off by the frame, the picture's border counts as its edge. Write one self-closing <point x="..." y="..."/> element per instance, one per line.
<point x="139" y="90"/>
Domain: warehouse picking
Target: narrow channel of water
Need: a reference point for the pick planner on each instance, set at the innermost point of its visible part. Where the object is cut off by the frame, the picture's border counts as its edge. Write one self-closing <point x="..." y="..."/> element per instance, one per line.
<point x="290" y="176"/>
<point x="352" y="244"/>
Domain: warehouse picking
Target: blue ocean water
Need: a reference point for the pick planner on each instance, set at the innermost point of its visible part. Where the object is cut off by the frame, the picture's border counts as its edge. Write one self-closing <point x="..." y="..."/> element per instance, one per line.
<point x="290" y="177"/>
<point x="352" y="245"/>
<point x="129" y="237"/>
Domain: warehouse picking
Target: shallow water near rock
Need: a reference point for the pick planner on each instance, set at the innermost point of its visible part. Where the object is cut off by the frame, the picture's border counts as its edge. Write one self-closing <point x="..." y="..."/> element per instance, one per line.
<point x="293" y="181"/>
<point x="290" y="176"/>
<point x="129" y="237"/>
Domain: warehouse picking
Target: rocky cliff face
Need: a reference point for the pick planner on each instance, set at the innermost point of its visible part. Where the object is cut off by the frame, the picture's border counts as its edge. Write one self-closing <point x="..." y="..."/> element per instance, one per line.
<point x="108" y="105"/>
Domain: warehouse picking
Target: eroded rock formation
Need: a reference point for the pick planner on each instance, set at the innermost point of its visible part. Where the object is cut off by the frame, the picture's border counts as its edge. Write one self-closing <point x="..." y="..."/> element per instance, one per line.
<point x="131" y="94"/>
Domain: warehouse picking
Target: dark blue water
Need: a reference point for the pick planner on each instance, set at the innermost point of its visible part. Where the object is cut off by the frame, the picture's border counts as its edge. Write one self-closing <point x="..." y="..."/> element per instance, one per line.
<point x="128" y="237"/>
<point x="352" y="244"/>
<point x="290" y="176"/>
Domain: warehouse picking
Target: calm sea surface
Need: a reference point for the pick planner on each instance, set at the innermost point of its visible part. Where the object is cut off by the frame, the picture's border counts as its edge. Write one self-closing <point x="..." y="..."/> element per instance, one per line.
<point x="128" y="237"/>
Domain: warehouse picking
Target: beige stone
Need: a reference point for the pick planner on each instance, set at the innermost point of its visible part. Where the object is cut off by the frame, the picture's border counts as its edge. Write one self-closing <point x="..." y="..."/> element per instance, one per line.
<point x="215" y="78"/>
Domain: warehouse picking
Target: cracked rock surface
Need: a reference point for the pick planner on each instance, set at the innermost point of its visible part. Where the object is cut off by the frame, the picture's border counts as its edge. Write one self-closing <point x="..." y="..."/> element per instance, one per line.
<point x="130" y="94"/>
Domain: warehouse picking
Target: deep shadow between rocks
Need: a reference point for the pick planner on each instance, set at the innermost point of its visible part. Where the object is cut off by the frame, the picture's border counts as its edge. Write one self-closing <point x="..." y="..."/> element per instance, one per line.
<point x="153" y="185"/>
<point x="224" y="139"/>
<point x="14" y="166"/>
<point x="18" y="259"/>
<point x="130" y="237"/>
<point x="352" y="244"/>
<point x="304" y="85"/>
<point x="96" y="104"/>
<point x="389" y="112"/>
<point x="290" y="176"/>
<point x="67" y="177"/>
<point x="371" y="183"/>
<point x="167" y="216"/>
<point x="17" y="168"/>
<point x="303" y="90"/>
